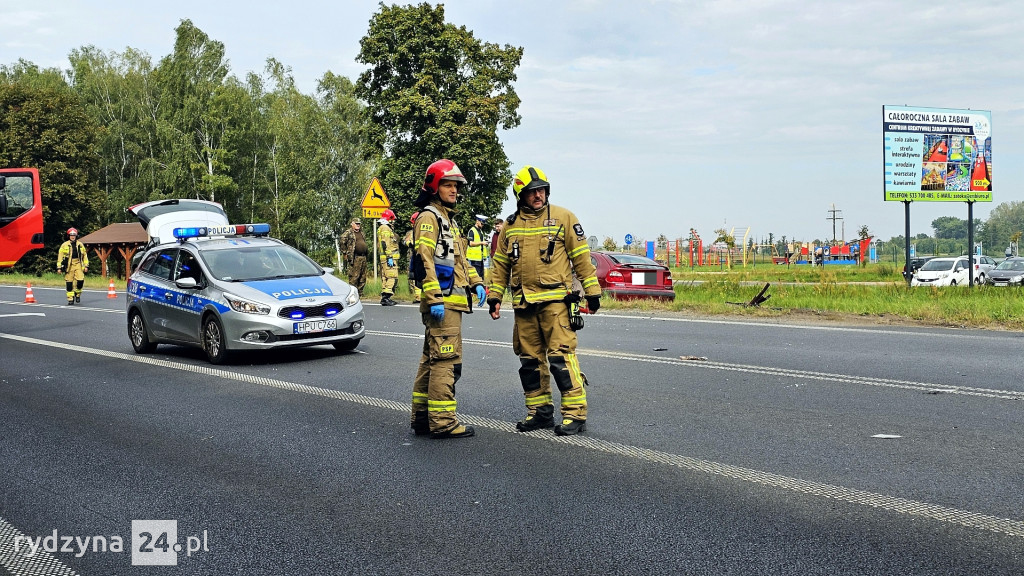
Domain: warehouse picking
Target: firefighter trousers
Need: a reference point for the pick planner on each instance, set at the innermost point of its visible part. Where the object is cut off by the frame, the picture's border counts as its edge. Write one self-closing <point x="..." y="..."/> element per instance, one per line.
<point x="389" y="278"/>
<point x="544" y="342"/>
<point x="74" y="279"/>
<point x="433" y="390"/>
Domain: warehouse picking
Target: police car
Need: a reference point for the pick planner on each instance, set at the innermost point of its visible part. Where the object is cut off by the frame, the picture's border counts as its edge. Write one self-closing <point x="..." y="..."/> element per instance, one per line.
<point x="225" y="288"/>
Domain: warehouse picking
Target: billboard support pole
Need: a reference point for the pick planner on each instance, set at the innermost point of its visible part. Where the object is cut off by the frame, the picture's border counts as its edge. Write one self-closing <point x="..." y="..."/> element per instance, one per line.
<point x="910" y="272"/>
<point x="970" y="244"/>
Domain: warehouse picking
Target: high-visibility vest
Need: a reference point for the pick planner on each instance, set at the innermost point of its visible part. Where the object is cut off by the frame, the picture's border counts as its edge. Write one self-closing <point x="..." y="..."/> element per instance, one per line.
<point x="477" y="253"/>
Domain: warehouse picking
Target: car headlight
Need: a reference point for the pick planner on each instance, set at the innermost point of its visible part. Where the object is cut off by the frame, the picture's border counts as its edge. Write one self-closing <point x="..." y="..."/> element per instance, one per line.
<point x="353" y="297"/>
<point x="247" y="306"/>
<point x="1017" y="279"/>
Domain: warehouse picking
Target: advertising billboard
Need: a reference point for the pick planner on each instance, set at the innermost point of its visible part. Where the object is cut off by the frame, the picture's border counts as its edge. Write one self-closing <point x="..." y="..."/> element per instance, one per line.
<point x="937" y="154"/>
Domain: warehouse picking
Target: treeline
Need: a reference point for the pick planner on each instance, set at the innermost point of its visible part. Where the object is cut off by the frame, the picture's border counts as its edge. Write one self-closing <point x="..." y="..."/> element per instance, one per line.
<point x="185" y="128"/>
<point x="117" y="129"/>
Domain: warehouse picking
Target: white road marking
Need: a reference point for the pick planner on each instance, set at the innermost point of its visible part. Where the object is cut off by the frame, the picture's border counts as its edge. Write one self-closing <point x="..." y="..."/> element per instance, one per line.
<point x="861" y="497"/>
<point x="14" y="557"/>
<point x="22" y="314"/>
<point x="766" y="370"/>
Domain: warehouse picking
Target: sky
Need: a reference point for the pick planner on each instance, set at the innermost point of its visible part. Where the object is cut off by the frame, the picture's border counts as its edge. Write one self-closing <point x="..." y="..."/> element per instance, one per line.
<point x="655" y="117"/>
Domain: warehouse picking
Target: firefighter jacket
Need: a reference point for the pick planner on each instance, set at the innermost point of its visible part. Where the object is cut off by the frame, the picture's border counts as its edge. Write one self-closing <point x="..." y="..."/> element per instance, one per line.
<point x="439" y="261"/>
<point x="476" y="253"/>
<point x="537" y="255"/>
<point x="388" y="243"/>
<point x="68" y="254"/>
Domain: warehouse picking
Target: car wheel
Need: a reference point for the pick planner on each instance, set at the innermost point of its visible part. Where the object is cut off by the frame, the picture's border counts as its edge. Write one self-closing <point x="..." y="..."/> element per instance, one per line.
<point x="346" y="345"/>
<point x="137" y="334"/>
<point x="952" y="282"/>
<point x="981" y="280"/>
<point x="213" y="340"/>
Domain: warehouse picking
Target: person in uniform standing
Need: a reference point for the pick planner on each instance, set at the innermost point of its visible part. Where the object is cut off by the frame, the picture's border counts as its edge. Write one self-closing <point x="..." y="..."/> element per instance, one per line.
<point x="353" y="250"/>
<point x="73" y="262"/>
<point x="410" y="252"/>
<point x="477" y="251"/>
<point x="388" y="258"/>
<point x="446" y="279"/>
<point x="538" y="252"/>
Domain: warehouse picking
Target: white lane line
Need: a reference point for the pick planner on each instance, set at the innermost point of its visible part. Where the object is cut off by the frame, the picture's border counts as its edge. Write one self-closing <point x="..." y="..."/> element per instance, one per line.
<point x="765" y="370"/>
<point x="891" y="503"/>
<point x="22" y="314"/>
<point x="14" y="555"/>
<point x="66" y="307"/>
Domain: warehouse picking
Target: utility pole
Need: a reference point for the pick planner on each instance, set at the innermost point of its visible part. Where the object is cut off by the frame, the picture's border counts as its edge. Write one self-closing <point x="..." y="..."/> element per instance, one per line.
<point x="834" y="215"/>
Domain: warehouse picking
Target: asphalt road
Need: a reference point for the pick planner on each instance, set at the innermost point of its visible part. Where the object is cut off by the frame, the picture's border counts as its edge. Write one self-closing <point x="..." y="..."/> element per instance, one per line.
<point x="713" y="447"/>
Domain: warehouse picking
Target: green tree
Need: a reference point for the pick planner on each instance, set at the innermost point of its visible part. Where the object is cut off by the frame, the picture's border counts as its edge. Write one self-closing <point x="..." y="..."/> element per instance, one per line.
<point x="435" y="91"/>
<point x="609" y="244"/>
<point x="46" y="127"/>
<point x="1003" y="222"/>
<point x="950" y="227"/>
<point x="724" y="236"/>
<point x="864" y="232"/>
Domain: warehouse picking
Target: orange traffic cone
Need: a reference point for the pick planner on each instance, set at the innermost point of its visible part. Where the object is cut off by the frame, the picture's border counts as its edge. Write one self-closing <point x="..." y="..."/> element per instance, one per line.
<point x="111" y="293"/>
<point x="29" y="297"/>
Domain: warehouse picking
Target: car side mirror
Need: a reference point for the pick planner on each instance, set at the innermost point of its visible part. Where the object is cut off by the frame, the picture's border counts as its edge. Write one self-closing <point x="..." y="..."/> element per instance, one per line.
<point x="3" y="203"/>
<point x="186" y="283"/>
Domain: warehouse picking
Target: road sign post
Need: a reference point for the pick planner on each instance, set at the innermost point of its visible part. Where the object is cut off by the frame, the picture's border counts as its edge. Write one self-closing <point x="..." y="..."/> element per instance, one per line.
<point x="374" y="203"/>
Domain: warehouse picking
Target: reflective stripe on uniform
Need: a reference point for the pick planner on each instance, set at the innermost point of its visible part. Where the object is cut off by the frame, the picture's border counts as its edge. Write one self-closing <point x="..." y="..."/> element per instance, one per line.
<point x="456" y="299"/>
<point x="431" y="286"/>
<point x="550" y="295"/>
<point x="423" y="240"/>
<point x="542" y="231"/>
<point x="499" y="257"/>
<point x="591" y="281"/>
<point x="538" y="400"/>
<point x="497" y="291"/>
<point x="441" y="405"/>
<point x="419" y="398"/>
<point x="578" y="251"/>
<point x="575" y="400"/>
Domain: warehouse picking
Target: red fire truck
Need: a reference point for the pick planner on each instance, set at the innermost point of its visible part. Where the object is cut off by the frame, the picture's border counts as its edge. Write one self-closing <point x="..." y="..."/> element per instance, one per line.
<point x="21" y="214"/>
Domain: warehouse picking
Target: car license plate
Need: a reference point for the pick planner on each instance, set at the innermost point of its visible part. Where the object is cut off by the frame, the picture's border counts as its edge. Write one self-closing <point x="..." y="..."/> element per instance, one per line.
<point x="312" y="326"/>
<point x="645" y="278"/>
<point x="1000" y="283"/>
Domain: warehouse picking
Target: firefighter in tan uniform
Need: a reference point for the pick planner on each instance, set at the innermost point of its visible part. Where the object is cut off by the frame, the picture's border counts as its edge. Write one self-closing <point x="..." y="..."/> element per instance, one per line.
<point x="445" y="279"/>
<point x="538" y="252"/>
<point x="73" y="262"/>
<point x="388" y="258"/>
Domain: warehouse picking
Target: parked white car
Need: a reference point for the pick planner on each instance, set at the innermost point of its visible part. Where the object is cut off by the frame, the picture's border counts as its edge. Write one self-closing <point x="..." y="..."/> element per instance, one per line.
<point x="942" y="272"/>
<point x="982" y="266"/>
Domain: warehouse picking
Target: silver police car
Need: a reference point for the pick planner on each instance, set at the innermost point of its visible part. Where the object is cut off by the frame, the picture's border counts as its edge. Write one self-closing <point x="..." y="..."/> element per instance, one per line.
<point x="231" y="287"/>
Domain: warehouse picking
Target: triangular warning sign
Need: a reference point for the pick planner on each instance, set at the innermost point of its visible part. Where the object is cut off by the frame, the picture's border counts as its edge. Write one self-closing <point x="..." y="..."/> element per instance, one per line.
<point x="375" y="196"/>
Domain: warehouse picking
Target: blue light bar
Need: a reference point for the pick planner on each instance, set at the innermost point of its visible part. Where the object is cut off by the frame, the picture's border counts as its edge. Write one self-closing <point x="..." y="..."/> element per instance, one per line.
<point x="229" y="230"/>
<point x="195" y="232"/>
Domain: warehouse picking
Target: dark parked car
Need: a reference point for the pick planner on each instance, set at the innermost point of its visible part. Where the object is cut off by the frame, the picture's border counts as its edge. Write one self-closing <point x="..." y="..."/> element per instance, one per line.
<point x="628" y="276"/>
<point x="1009" y="272"/>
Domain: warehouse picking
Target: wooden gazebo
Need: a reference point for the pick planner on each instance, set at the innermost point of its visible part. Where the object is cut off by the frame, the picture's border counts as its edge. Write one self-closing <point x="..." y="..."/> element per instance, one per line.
<point x="126" y="238"/>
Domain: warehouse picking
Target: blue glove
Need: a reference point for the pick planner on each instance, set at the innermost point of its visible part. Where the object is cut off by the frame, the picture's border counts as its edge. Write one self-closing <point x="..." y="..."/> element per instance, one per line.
<point x="437" y="311"/>
<point x="391" y="262"/>
<point x="481" y="295"/>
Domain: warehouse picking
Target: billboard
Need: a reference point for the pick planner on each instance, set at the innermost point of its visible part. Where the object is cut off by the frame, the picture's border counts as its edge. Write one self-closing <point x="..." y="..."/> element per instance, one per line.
<point x="937" y="154"/>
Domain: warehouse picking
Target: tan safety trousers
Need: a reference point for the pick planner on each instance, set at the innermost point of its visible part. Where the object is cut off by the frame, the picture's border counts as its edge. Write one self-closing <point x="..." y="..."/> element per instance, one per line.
<point x="544" y="342"/>
<point x="433" y="390"/>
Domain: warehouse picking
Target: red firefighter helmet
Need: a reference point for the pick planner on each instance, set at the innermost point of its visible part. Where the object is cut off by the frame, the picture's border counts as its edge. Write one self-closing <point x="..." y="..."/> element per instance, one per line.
<point x="412" y="219"/>
<point x="388" y="215"/>
<point x="441" y="170"/>
<point x="72" y="231"/>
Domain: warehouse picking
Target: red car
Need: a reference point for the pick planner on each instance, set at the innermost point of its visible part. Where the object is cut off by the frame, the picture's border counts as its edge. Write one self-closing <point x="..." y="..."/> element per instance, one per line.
<point x="628" y="276"/>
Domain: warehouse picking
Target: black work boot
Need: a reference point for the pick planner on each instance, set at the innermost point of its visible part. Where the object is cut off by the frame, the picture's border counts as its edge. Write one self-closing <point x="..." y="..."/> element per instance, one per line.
<point x="420" y="425"/>
<point x="569" y="427"/>
<point x="459" y="431"/>
<point x="535" y="422"/>
<point x="78" y="298"/>
<point x="387" y="301"/>
<point x="542" y="417"/>
<point x="71" y="301"/>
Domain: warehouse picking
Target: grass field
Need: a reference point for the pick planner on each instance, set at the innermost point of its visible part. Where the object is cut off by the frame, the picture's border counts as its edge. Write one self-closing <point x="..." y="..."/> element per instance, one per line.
<point x="875" y="293"/>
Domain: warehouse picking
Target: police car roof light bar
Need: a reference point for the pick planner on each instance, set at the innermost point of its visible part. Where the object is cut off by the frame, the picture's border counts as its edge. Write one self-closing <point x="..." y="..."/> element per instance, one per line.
<point x="183" y="234"/>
